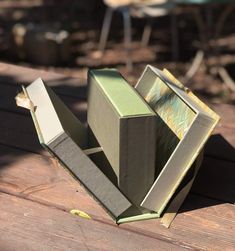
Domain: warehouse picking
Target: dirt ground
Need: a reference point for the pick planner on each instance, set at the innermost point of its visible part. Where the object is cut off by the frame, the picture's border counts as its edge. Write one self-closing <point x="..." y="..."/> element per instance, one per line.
<point x="84" y="20"/>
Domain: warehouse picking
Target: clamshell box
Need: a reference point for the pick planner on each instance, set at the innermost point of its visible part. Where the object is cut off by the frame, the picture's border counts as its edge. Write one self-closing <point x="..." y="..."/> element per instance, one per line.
<point x="125" y="127"/>
<point x="183" y="125"/>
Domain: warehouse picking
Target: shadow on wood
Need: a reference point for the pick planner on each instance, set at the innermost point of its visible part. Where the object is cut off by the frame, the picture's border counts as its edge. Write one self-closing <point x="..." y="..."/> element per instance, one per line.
<point x="216" y="178"/>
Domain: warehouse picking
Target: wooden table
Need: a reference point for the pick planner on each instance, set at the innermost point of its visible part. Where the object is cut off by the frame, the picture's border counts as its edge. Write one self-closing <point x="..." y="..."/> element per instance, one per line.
<point x="36" y="194"/>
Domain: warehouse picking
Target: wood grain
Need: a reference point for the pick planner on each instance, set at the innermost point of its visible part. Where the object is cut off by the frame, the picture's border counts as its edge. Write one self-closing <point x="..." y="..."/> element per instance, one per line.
<point x="18" y="130"/>
<point x="17" y="75"/>
<point x="54" y="187"/>
<point x="31" y="226"/>
<point x="42" y="179"/>
<point x="227" y="114"/>
<point x="216" y="179"/>
<point x="204" y="223"/>
<point x="24" y="137"/>
<point x="7" y="101"/>
<point x="221" y="144"/>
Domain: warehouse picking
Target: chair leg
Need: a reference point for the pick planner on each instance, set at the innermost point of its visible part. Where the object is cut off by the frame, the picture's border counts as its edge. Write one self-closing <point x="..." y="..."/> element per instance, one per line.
<point x="147" y="32"/>
<point x="127" y="37"/>
<point x="105" y="29"/>
<point x="174" y="37"/>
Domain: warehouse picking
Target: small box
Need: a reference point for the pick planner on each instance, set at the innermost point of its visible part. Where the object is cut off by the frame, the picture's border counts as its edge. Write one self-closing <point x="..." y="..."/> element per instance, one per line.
<point x="125" y="127"/>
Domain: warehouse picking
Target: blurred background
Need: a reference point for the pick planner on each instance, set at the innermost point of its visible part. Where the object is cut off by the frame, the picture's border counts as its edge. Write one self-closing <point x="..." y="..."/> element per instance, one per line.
<point x="194" y="39"/>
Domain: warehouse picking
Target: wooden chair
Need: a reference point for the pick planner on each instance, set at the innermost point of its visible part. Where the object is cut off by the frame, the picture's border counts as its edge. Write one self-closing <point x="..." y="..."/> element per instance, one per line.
<point x="139" y="9"/>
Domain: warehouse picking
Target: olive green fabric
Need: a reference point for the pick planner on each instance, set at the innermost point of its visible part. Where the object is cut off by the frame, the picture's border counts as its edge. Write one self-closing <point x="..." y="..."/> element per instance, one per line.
<point x="66" y="137"/>
<point x="124" y="126"/>
<point x="123" y="97"/>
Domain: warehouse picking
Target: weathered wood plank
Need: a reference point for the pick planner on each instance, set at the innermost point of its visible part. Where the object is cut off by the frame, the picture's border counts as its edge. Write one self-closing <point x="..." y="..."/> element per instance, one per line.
<point x="221" y="145"/>
<point x="42" y="179"/>
<point x="24" y="136"/>
<point x="36" y="178"/>
<point x="17" y="75"/>
<point x="203" y="224"/>
<point x="227" y="114"/>
<point x="23" y="4"/>
<point x="216" y="179"/>
<point x="18" y="131"/>
<point x="7" y="102"/>
<point x="206" y="224"/>
<point x="13" y="75"/>
<point x="31" y="226"/>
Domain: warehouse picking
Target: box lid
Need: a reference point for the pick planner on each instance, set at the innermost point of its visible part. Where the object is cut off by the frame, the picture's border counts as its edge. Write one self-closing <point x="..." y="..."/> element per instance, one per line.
<point x="63" y="135"/>
<point x="114" y="86"/>
<point x="184" y="123"/>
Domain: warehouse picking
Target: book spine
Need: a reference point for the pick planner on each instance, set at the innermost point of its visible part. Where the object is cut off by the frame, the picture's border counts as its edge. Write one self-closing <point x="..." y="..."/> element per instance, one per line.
<point x="137" y="156"/>
<point x="92" y="178"/>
